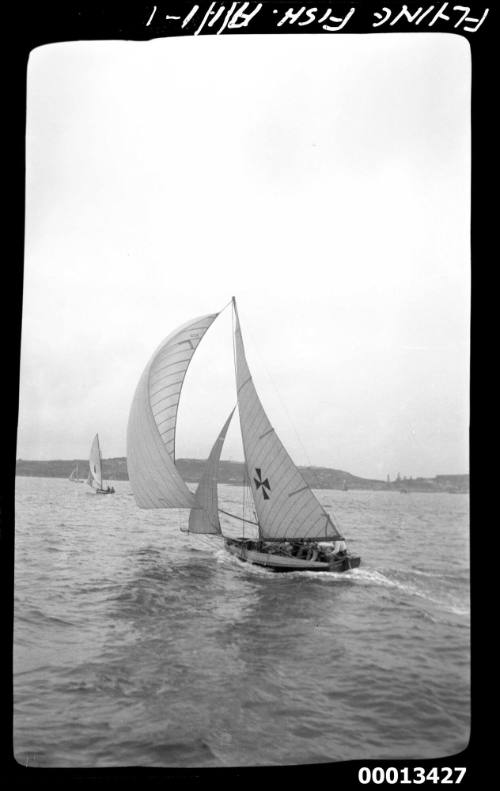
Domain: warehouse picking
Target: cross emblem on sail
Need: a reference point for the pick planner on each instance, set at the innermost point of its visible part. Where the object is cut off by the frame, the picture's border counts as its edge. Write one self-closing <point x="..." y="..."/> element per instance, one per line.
<point x="264" y="483"/>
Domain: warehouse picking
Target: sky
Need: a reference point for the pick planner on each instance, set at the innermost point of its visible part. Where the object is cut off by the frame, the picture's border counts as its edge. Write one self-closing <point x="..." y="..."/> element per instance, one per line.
<point x="323" y="180"/>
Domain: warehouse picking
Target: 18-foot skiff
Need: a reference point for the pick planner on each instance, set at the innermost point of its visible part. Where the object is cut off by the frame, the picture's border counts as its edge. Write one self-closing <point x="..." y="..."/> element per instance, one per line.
<point x="295" y="532"/>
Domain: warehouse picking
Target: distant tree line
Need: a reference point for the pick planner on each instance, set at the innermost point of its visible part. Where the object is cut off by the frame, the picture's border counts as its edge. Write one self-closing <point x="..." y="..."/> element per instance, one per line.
<point x="233" y="473"/>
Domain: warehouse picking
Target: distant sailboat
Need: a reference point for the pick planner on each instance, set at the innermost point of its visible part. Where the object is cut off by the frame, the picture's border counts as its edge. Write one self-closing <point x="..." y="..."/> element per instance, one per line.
<point x="295" y="533"/>
<point x="74" y="476"/>
<point x="94" y="479"/>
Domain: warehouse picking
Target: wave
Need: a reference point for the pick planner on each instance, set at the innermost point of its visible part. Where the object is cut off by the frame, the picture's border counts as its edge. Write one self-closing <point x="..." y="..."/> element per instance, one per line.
<point x="143" y="642"/>
<point x="360" y="576"/>
<point x="373" y="577"/>
<point x="32" y="615"/>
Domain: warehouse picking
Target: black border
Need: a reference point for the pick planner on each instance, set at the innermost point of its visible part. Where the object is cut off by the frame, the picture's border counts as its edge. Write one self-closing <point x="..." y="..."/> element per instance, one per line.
<point x="32" y="25"/>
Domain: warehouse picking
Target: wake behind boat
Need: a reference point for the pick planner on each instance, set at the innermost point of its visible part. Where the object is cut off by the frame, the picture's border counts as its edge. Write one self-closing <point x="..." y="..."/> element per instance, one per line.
<point x="295" y="533"/>
<point x="94" y="479"/>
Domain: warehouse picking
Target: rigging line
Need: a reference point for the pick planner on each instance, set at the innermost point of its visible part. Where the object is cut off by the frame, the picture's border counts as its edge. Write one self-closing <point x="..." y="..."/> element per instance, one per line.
<point x="243" y="487"/>
<point x="247" y="483"/>
<point x="285" y="409"/>
<point x="244" y="505"/>
<point x="237" y="516"/>
<point x="226" y="306"/>
<point x="236" y="377"/>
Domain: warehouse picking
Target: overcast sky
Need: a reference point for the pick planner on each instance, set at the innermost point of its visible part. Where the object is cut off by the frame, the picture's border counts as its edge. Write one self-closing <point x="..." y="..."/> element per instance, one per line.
<point x="323" y="180"/>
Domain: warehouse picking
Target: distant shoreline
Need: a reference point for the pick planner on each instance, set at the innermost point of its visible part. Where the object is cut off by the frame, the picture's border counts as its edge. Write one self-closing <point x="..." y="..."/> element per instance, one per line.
<point x="232" y="473"/>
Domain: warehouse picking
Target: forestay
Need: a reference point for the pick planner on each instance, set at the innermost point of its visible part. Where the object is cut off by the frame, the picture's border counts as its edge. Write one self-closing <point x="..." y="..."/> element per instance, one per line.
<point x="285" y="505"/>
<point x="95" y="462"/>
<point x="154" y="479"/>
<point x="205" y="518"/>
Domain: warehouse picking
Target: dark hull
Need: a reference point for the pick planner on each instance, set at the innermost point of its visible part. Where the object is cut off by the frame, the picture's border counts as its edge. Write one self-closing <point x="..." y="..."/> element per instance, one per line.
<point x="248" y="552"/>
<point x="104" y="491"/>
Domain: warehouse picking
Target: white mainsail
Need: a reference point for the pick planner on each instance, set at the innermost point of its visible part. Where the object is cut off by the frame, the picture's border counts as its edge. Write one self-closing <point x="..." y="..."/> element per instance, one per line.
<point x="205" y="518"/>
<point x="286" y="507"/>
<point x="154" y="478"/>
<point x="95" y="462"/>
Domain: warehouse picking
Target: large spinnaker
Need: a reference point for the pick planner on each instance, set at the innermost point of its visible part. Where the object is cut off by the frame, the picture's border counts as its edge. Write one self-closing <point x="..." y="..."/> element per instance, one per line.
<point x="285" y="505"/>
<point x="95" y="462"/>
<point x="154" y="478"/>
<point x="205" y="518"/>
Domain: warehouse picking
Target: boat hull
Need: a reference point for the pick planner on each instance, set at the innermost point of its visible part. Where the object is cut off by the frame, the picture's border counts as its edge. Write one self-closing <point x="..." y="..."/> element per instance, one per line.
<point x="245" y="551"/>
<point x="104" y="491"/>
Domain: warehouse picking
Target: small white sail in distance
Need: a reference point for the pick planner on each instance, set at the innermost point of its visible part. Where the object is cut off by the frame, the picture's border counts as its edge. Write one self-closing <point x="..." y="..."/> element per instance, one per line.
<point x="154" y="478"/>
<point x="95" y="462"/>
<point x="286" y="507"/>
<point x="205" y="518"/>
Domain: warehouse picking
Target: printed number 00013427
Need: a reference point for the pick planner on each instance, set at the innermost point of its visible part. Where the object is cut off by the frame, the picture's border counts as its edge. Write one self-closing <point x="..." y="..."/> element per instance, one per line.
<point x="415" y="775"/>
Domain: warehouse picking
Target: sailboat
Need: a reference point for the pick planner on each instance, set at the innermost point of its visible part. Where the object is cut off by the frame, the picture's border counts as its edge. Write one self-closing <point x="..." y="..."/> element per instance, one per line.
<point x="94" y="479"/>
<point x="73" y="477"/>
<point x="294" y="531"/>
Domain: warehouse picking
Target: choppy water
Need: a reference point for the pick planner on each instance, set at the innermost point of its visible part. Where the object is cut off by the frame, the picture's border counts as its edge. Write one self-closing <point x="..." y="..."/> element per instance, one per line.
<point x="138" y="645"/>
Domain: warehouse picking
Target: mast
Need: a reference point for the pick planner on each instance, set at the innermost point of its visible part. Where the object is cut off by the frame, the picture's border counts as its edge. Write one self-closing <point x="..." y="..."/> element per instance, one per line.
<point x="246" y="478"/>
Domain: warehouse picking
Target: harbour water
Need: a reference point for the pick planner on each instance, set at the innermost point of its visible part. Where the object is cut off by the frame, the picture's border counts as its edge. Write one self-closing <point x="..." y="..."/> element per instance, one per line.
<point x="136" y="644"/>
